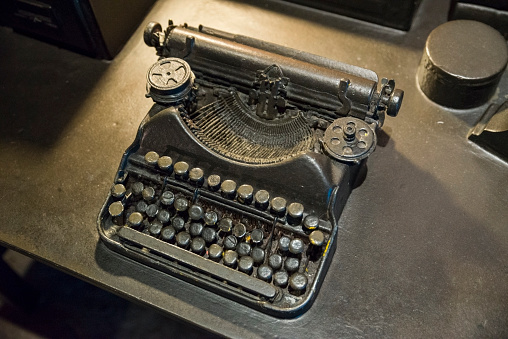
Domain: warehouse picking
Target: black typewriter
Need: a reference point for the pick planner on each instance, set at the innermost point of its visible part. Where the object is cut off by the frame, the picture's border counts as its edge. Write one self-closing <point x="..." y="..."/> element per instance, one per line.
<point x="239" y="172"/>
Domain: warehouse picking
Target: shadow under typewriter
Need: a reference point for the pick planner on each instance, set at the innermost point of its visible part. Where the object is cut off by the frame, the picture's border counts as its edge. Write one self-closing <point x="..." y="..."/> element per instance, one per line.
<point x="240" y="171"/>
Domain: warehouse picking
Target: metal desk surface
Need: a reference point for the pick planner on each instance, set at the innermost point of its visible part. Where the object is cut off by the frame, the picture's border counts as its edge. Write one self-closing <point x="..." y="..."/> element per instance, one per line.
<point x="423" y="242"/>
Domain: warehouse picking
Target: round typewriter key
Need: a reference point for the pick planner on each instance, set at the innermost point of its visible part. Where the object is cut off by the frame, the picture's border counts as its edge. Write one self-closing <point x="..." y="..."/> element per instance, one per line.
<point x="284" y="244"/>
<point x="196" y="212"/>
<point x="211" y="218"/>
<point x="135" y="219"/>
<point x="155" y="228"/>
<point x="258" y="255"/>
<point x="213" y="182"/>
<point x="278" y="206"/>
<point x="280" y="279"/>
<point x="245" y="264"/>
<point x="168" y="233"/>
<point x="163" y="216"/>
<point x="265" y="273"/>
<point x="178" y="223"/>
<point x="295" y="213"/>
<point x="215" y="252"/>
<point x="291" y="264"/>
<point x="297" y="283"/>
<point x="195" y="229"/>
<point x="196" y="176"/>
<point x="152" y="210"/>
<point x="118" y="191"/>
<point x="225" y="225"/>
<point x="230" y="242"/>
<point x="296" y="246"/>
<point x="181" y="204"/>
<point x="261" y="199"/>
<point x="317" y="238"/>
<point x="148" y="194"/>
<point x="116" y="212"/>
<point x="228" y="189"/>
<point x="310" y="222"/>
<point x="167" y="198"/>
<point x="141" y="206"/>
<point x="239" y="230"/>
<point x="181" y="169"/>
<point x="209" y="234"/>
<point x="151" y="158"/>
<point x="165" y="163"/>
<point x="183" y="239"/>
<point x="256" y="236"/>
<point x="230" y="258"/>
<point x="245" y="194"/>
<point x="243" y="249"/>
<point x="275" y="261"/>
<point x="137" y="188"/>
<point x="198" y="245"/>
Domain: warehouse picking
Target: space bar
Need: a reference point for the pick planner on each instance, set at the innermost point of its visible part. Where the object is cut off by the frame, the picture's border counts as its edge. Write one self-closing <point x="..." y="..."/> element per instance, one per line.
<point x="195" y="261"/>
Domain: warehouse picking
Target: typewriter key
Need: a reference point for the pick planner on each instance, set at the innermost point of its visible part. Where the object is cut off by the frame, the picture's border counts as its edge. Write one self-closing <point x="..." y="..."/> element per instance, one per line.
<point x="198" y="245"/>
<point x="228" y="189"/>
<point x="265" y="273"/>
<point x="178" y="223"/>
<point x="181" y="204"/>
<point x="230" y="242"/>
<point x="167" y="198"/>
<point x="239" y="230"/>
<point x="116" y="212"/>
<point x="211" y="218"/>
<point x="256" y="236"/>
<point x="296" y="246"/>
<point x="151" y="158"/>
<point x="245" y="194"/>
<point x="141" y="206"/>
<point x="284" y="244"/>
<point x="209" y="234"/>
<point x="213" y="182"/>
<point x="195" y="229"/>
<point x="291" y="264"/>
<point x="196" y="212"/>
<point x="168" y="233"/>
<point x="225" y="225"/>
<point x="243" y="249"/>
<point x="297" y="284"/>
<point x="295" y="213"/>
<point x="118" y="191"/>
<point x="230" y="258"/>
<point x="196" y="176"/>
<point x="310" y="222"/>
<point x="137" y="188"/>
<point x="148" y="194"/>
<point x="278" y="206"/>
<point x="280" y="279"/>
<point x="258" y="255"/>
<point x="165" y="163"/>
<point x="155" y="228"/>
<point x="183" y="239"/>
<point x="181" y="169"/>
<point x="261" y="199"/>
<point x="215" y="252"/>
<point x="245" y="264"/>
<point x="135" y="219"/>
<point x="275" y="261"/>
<point x="152" y="210"/>
<point x="317" y="238"/>
<point x="163" y="216"/>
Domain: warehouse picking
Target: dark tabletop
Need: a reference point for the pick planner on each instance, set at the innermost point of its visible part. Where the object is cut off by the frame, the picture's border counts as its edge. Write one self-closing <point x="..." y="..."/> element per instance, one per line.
<point x="423" y="242"/>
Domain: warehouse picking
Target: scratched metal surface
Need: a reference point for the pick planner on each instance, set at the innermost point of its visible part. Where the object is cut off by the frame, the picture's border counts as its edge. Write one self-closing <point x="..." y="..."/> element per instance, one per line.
<point x="423" y="245"/>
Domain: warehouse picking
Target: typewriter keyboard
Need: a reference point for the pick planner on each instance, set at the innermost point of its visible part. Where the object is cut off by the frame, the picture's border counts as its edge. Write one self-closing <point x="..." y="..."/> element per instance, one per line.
<point x="220" y="229"/>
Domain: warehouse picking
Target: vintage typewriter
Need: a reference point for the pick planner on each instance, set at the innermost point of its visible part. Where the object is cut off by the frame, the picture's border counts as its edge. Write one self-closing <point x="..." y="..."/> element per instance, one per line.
<point x="239" y="172"/>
